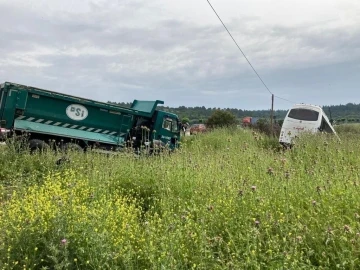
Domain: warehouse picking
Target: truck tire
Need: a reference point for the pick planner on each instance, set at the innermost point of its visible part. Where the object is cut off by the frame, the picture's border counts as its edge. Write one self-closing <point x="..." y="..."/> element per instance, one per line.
<point x="39" y="145"/>
<point x="72" y="147"/>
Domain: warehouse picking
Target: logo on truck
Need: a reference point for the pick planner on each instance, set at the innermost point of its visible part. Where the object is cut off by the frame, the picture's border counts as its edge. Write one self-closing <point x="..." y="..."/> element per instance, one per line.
<point x="76" y="112"/>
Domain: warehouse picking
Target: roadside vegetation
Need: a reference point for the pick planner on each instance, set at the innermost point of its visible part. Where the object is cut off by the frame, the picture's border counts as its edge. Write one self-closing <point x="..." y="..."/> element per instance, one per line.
<point x="347" y="129"/>
<point x="228" y="199"/>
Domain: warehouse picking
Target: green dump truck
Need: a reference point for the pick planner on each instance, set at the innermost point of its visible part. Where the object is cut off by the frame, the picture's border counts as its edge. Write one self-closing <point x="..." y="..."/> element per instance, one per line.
<point x="47" y="116"/>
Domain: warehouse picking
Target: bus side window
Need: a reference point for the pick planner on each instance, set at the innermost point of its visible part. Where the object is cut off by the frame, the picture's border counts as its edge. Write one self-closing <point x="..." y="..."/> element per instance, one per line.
<point x="325" y="126"/>
<point x="321" y="128"/>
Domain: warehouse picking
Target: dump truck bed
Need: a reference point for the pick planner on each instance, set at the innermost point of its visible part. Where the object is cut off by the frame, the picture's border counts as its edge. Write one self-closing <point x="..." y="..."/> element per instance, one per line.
<point x="43" y="111"/>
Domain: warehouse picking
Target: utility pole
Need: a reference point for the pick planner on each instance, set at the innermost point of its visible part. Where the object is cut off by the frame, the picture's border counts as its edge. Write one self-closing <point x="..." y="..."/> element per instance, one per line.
<point x="272" y="116"/>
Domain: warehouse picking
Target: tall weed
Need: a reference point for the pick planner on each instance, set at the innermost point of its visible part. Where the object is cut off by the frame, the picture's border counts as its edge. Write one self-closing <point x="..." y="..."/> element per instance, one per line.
<point x="225" y="200"/>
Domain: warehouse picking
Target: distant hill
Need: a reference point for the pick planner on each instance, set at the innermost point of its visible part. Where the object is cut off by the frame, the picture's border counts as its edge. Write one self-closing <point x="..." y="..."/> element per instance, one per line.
<point x="341" y="113"/>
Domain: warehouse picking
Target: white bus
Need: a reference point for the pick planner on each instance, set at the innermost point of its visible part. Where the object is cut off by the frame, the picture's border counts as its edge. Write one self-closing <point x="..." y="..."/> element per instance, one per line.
<point x="304" y="118"/>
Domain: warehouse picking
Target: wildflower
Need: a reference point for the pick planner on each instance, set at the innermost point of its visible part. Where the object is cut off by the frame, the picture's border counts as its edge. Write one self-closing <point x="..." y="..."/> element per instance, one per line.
<point x="257" y="223"/>
<point x="253" y="188"/>
<point x="357" y="216"/>
<point x="63" y="241"/>
<point x="313" y="203"/>
<point x="299" y="238"/>
<point x="330" y="231"/>
<point x="347" y="228"/>
<point x="218" y="239"/>
<point x="311" y="172"/>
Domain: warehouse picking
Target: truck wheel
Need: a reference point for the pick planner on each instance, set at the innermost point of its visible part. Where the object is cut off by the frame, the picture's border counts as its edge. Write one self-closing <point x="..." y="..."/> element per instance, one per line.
<point x="72" y="147"/>
<point x="36" y="144"/>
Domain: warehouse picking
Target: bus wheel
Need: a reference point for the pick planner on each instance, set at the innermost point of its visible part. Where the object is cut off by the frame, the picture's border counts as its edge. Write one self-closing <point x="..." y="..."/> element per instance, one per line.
<point x="36" y="144"/>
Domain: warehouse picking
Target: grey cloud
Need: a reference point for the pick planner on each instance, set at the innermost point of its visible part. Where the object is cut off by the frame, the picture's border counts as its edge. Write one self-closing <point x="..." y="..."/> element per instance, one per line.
<point x="94" y="54"/>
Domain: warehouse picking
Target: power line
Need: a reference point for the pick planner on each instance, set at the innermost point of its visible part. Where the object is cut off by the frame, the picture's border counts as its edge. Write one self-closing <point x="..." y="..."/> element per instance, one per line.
<point x="246" y="57"/>
<point x="239" y="48"/>
<point x="293" y="102"/>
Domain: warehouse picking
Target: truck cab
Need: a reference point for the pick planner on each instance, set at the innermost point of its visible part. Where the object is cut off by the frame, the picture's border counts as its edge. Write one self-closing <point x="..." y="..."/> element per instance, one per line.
<point x="167" y="129"/>
<point x="154" y="127"/>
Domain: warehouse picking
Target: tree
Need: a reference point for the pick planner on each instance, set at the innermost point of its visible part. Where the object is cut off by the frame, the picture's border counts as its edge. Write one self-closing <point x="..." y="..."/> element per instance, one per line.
<point x="221" y="118"/>
<point x="185" y="120"/>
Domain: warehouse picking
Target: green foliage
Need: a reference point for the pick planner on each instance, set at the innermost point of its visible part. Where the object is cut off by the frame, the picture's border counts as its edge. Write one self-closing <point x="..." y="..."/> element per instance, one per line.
<point x="221" y="119"/>
<point x="340" y="113"/>
<point x="225" y="200"/>
<point x="185" y="120"/>
<point x="264" y="126"/>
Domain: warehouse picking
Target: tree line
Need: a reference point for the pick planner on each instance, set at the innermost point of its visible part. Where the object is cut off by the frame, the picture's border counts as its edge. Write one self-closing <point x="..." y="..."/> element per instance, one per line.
<point x="349" y="112"/>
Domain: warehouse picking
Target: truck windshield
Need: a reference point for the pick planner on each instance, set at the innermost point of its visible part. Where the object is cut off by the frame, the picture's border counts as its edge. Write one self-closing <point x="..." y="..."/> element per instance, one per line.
<point x="304" y="114"/>
<point x="170" y="124"/>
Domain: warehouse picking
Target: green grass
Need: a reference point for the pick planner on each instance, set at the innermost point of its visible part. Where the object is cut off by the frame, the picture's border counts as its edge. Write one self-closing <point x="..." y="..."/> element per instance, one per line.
<point x="226" y="200"/>
<point x="353" y="129"/>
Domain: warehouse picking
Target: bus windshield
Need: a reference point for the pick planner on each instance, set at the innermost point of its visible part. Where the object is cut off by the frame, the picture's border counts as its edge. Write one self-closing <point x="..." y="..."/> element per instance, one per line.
<point x="304" y="114"/>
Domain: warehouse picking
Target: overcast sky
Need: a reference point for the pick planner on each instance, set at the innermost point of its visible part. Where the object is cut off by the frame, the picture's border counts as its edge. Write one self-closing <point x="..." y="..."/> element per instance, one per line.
<point x="178" y="51"/>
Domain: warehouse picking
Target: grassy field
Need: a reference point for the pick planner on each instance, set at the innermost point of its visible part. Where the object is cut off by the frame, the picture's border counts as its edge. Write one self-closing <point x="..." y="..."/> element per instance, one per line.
<point x="226" y="200"/>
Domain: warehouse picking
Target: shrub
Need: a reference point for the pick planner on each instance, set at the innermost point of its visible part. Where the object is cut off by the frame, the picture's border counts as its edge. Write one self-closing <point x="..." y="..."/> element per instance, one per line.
<point x="220" y="119"/>
<point x="264" y="126"/>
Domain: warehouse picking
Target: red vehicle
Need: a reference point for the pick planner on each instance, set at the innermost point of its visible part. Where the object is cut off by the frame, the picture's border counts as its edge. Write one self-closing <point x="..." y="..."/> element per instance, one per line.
<point x="197" y="128"/>
<point x="246" y="121"/>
